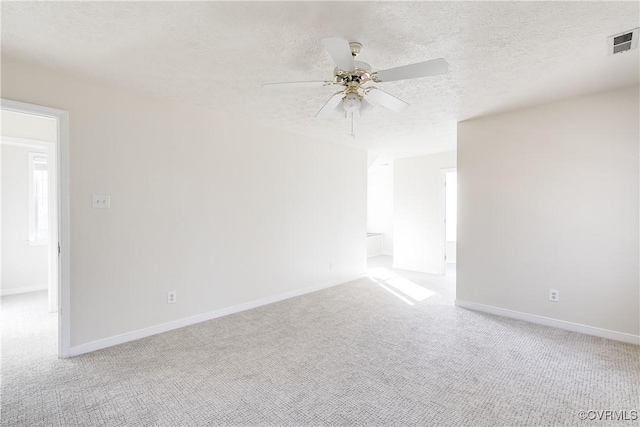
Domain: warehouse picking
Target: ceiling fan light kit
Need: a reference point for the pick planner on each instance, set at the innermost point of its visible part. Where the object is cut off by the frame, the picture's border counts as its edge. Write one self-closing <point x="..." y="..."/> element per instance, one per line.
<point x="358" y="93"/>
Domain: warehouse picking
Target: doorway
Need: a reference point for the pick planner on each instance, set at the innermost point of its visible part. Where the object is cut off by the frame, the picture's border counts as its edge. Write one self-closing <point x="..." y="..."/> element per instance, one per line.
<point x="34" y="223"/>
<point x="451" y="219"/>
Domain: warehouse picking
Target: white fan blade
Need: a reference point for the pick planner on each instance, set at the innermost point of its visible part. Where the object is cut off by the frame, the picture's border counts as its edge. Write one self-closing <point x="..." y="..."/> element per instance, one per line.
<point x="413" y="71"/>
<point x="340" y="52"/>
<point x="380" y="97"/>
<point x="293" y="85"/>
<point x="330" y="106"/>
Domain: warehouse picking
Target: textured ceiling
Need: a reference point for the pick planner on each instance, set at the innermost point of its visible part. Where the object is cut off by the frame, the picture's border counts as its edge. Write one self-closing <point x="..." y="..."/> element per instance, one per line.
<point x="502" y="55"/>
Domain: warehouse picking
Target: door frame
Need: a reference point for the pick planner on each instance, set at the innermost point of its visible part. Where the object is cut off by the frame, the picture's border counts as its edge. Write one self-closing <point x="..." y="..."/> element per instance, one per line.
<point x="63" y="212"/>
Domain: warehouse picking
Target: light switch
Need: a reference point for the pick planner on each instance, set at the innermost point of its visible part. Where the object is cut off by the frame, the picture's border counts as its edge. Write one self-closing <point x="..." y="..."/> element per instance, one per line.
<point x="101" y="202"/>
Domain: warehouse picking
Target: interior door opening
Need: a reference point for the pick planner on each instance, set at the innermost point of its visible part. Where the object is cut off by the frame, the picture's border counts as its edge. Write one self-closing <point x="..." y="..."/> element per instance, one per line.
<point x="31" y="278"/>
<point x="451" y="220"/>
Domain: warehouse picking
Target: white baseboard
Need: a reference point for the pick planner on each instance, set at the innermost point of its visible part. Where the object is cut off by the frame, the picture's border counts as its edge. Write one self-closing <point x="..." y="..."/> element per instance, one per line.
<point x="547" y="321"/>
<point x="23" y="290"/>
<point x="181" y="323"/>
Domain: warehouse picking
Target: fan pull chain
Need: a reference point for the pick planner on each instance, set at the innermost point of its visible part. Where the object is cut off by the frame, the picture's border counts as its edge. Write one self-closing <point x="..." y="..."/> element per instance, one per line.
<point x="352" y="134"/>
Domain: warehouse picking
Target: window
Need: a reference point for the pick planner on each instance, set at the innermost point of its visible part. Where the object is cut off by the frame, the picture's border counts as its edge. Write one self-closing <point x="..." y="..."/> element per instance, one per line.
<point x="38" y="199"/>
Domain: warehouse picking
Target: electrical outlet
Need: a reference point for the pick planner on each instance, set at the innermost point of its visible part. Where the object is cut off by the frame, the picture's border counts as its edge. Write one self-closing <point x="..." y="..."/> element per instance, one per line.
<point x="554" y="295"/>
<point x="101" y="202"/>
<point x="171" y="297"/>
<point x="330" y="266"/>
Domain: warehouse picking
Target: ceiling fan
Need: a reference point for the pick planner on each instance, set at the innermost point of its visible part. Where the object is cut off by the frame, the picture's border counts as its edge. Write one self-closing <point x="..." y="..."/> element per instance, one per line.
<point x="358" y="94"/>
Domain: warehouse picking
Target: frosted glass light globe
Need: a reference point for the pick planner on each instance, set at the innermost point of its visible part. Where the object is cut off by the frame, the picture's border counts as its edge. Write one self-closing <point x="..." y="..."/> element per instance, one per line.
<point x="351" y="103"/>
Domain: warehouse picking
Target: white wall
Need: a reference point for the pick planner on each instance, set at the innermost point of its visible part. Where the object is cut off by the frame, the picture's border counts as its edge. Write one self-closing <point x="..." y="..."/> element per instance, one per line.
<point x="548" y="198"/>
<point x="23" y="264"/>
<point x="380" y="203"/>
<point x="418" y="224"/>
<point x="24" y="126"/>
<point x="217" y="208"/>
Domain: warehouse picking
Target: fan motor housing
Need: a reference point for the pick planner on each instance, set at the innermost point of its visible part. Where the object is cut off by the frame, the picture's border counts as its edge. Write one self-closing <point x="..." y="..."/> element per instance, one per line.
<point x="360" y="75"/>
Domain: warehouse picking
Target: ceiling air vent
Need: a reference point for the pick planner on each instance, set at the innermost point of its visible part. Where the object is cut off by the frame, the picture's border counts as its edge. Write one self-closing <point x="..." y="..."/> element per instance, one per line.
<point x="623" y="42"/>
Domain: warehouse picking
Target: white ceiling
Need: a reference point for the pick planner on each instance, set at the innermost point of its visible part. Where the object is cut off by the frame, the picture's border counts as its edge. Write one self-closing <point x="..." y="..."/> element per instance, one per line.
<point x="502" y="55"/>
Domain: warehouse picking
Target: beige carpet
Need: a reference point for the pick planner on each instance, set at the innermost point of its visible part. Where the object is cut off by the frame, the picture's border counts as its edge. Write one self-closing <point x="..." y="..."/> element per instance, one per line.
<point x="356" y="354"/>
